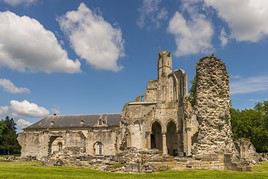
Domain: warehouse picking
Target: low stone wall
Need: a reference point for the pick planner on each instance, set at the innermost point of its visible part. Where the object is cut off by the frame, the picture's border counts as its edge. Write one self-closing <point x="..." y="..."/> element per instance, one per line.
<point x="198" y="164"/>
<point x="147" y="161"/>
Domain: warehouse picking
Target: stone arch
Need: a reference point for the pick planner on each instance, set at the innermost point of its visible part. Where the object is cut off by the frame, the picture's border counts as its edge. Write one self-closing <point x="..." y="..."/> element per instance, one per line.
<point x="174" y="121"/>
<point x="98" y="148"/>
<point x="158" y="121"/>
<point x="172" y="138"/>
<point x="156" y="136"/>
<point x="53" y="146"/>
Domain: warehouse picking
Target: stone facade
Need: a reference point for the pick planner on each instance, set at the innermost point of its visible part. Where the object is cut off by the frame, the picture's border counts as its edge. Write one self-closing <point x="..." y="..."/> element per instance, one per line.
<point x="162" y="120"/>
<point x="57" y="134"/>
<point x="157" y="119"/>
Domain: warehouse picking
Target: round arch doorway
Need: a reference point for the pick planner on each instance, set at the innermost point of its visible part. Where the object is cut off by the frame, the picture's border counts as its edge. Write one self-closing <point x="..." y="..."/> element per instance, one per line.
<point x="156" y="136"/>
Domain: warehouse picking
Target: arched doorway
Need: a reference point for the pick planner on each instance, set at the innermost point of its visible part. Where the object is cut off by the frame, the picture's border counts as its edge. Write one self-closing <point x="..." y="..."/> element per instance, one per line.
<point x="156" y="136"/>
<point x="55" y="144"/>
<point x="172" y="139"/>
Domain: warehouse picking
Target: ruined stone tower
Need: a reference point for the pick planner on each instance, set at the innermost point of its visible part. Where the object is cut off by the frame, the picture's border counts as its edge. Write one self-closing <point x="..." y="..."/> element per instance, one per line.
<point x="213" y="108"/>
<point x="156" y="120"/>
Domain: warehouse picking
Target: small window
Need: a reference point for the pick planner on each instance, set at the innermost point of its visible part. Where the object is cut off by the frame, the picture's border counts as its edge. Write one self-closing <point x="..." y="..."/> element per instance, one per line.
<point x="98" y="148"/>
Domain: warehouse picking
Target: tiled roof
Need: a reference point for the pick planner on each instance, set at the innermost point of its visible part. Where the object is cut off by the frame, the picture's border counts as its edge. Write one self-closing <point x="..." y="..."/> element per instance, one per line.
<point x="55" y="121"/>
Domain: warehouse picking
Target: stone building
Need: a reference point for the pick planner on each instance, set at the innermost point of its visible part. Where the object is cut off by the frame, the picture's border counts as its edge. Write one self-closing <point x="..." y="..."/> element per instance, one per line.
<point x="157" y="119"/>
<point x="163" y="118"/>
<point x="91" y="135"/>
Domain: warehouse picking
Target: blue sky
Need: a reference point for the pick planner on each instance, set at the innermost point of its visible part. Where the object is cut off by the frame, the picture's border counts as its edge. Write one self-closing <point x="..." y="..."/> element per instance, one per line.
<point x="87" y="57"/>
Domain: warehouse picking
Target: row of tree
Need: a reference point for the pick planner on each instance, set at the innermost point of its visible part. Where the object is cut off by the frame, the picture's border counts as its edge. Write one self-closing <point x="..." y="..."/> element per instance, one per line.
<point x="8" y="137"/>
<point x="252" y="124"/>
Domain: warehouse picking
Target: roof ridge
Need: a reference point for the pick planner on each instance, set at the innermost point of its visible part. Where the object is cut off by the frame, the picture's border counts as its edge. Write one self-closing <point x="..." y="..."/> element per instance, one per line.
<point x="97" y="114"/>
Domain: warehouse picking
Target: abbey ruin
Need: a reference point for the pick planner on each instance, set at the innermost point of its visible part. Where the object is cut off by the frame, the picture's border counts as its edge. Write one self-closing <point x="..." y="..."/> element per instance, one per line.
<point x="161" y="125"/>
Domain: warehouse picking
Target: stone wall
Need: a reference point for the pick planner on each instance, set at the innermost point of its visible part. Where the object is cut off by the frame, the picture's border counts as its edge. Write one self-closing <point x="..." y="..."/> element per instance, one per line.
<point x="213" y="109"/>
<point x="42" y="143"/>
<point x="163" y="106"/>
<point x="247" y="151"/>
<point x="34" y="144"/>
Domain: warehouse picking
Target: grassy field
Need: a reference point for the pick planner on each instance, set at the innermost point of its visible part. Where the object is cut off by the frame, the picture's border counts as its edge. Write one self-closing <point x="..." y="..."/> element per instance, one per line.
<point x="36" y="170"/>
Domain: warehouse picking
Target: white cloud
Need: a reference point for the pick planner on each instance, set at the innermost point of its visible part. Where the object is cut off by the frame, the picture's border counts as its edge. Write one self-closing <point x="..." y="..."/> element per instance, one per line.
<point x="151" y="11"/>
<point x="93" y="38"/>
<point x="247" y="19"/>
<point x="249" y="85"/>
<point x="25" y="45"/>
<point x="20" y="111"/>
<point x="10" y="87"/>
<point x="26" y="108"/>
<point x="18" y="2"/>
<point x="22" y="123"/>
<point x="192" y="35"/>
<point x="224" y="38"/>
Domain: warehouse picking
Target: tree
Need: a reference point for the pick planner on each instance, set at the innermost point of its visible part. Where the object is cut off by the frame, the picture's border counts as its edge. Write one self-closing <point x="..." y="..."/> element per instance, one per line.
<point x="252" y="124"/>
<point x="8" y="137"/>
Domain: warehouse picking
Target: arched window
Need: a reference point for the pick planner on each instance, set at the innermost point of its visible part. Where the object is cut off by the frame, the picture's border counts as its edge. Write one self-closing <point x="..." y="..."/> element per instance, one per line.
<point x="98" y="148"/>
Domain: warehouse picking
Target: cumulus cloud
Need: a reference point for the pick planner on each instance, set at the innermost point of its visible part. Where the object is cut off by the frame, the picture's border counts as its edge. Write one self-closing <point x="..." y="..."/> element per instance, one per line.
<point x="20" y="111"/>
<point x="247" y="19"/>
<point x="151" y="12"/>
<point x="249" y="84"/>
<point x="193" y="34"/>
<point x="28" y="109"/>
<point x="93" y="38"/>
<point x="25" y="45"/>
<point x="18" y="2"/>
<point x="23" y="108"/>
<point x="10" y="87"/>
<point x="22" y="123"/>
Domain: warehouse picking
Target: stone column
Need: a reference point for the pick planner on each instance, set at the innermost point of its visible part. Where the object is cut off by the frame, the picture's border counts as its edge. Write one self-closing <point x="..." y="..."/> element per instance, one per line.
<point x="164" y="143"/>
<point x="180" y="144"/>
<point x="189" y="142"/>
<point x="148" y="135"/>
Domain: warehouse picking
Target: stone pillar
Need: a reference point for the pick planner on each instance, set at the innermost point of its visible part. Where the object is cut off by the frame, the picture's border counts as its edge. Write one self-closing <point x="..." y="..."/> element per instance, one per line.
<point x="148" y="140"/>
<point x="213" y="109"/>
<point x="164" y="142"/>
<point x="180" y="144"/>
<point x="189" y="142"/>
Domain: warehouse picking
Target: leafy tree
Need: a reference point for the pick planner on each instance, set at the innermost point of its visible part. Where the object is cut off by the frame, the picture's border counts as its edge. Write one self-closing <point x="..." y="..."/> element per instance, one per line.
<point x="8" y="137"/>
<point x="252" y="124"/>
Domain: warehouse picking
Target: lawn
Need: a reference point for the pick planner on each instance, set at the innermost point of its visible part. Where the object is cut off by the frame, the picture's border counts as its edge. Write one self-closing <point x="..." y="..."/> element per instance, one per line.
<point x="36" y="170"/>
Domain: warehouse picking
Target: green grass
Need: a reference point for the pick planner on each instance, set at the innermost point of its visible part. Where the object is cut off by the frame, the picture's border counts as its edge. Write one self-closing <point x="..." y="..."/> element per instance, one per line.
<point x="36" y="170"/>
